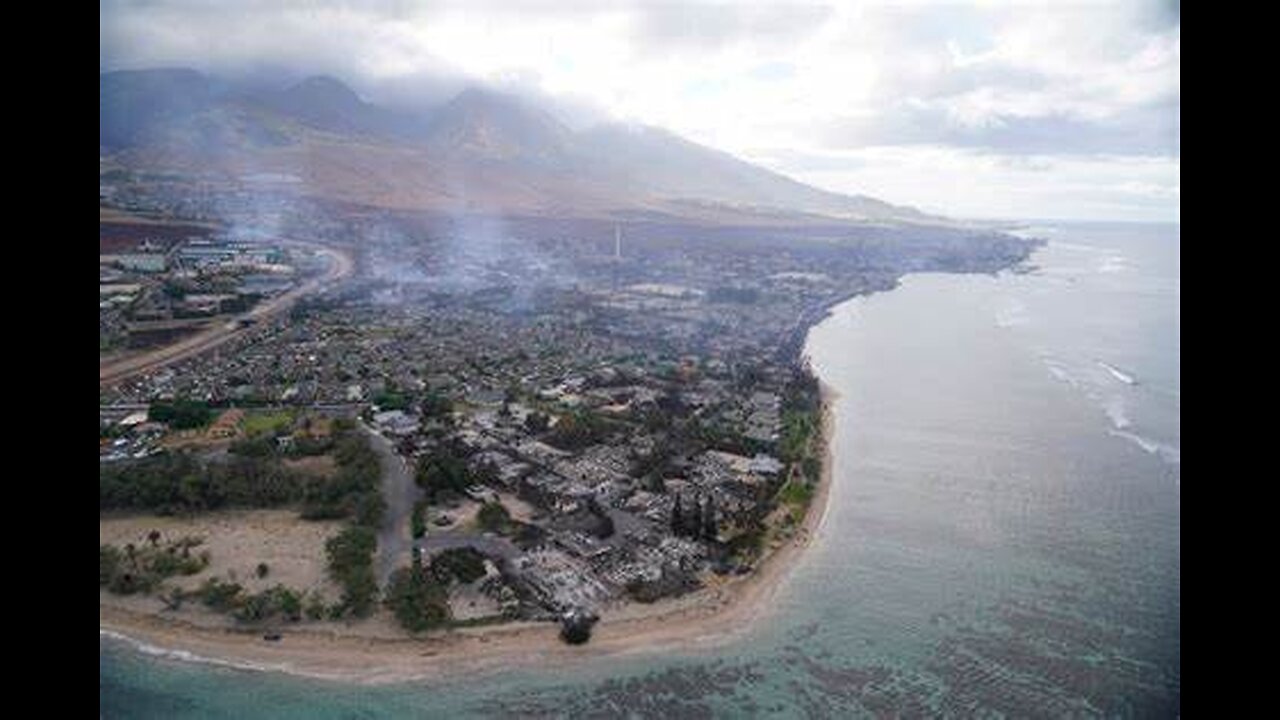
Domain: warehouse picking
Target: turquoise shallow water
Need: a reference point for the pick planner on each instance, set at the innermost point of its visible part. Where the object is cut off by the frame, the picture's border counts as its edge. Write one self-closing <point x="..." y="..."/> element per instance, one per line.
<point x="1002" y="538"/>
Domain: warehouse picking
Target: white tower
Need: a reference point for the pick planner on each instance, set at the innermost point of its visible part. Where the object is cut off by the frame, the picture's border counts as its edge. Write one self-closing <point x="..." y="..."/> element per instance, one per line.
<point x="617" y="242"/>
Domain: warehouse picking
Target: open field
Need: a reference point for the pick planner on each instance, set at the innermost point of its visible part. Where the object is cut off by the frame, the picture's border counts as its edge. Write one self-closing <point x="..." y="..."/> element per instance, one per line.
<point x="237" y="540"/>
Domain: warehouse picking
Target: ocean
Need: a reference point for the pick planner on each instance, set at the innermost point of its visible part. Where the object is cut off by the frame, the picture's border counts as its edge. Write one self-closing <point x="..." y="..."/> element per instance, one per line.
<point x="1002" y="535"/>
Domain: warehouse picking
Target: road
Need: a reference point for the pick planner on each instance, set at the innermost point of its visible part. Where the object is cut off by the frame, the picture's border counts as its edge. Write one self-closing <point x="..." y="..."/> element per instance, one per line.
<point x="493" y="546"/>
<point x="398" y="489"/>
<point x="341" y="265"/>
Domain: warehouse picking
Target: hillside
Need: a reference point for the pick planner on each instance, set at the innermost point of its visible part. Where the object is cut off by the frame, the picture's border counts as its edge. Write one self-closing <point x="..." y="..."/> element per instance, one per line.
<point x="479" y="152"/>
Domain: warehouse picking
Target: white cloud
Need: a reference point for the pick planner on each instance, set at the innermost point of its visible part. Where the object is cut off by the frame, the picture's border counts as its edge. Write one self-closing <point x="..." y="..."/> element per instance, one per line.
<point x="974" y="184"/>
<point x="1093" y="86"/>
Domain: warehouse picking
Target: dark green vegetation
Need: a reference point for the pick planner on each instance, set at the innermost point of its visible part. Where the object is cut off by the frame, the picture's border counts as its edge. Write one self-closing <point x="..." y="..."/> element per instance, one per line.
<point x="353" y="491"/>
<point x="251" y="475"/>
<point x="418" y="520"/>
<point x="493" y="517"/>
<point x="223" y="596"/>
<point x="277" y="601"/>
<point x="351" y="565"/>
<point x="464" y="565"/>
<point x="796" y="495"/>
<point x="281" y="602"/>
<point x="418" y="599"/>
<point x="180" y="414"/>
<point x="579" y="429"/>
<point x="800" y="447"/>
<point x="801" y="404"/>
<point x="178" y="482"/>
<point x="390" y="400"/>
<point x="133" y="569"/>
<point x="444" y="471"/>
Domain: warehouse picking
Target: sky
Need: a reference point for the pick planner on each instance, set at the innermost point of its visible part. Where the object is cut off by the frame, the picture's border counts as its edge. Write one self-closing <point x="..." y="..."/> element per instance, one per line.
<point x="1066" y="110"/>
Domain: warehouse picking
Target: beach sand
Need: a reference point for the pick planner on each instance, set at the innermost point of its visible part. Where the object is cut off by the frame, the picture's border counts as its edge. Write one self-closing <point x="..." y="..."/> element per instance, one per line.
<point x="374" y="651"/>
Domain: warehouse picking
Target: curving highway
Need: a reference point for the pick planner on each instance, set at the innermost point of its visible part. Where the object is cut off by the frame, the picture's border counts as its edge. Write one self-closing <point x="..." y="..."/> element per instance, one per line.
<point x="341" y="265"/>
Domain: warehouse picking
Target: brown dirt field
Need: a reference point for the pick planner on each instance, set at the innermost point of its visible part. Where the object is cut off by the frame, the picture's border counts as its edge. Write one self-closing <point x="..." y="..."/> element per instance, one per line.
<point x="237" y="541"/>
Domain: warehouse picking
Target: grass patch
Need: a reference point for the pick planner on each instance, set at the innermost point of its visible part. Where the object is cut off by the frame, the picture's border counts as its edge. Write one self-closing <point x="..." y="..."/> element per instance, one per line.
<point x="271" y="423"/>
<point x="141" y="568"/>
<point x="796" y="495"/>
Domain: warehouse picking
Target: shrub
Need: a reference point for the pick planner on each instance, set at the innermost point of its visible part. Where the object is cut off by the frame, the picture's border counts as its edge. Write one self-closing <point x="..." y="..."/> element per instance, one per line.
<point x="108" y="564"/>
<point x="418" y="601"/>
<point x="351" y="565"/>
<point x="219" y="595"/>
<point x="465" y="565"/>
<point x="493" y="516"/>
<point x="418" y="520"/>
<point x="181" y="414"/>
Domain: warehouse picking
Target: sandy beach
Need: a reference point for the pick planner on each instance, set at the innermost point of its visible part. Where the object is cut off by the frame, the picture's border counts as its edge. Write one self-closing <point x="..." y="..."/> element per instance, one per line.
<point x="376" y="652"/>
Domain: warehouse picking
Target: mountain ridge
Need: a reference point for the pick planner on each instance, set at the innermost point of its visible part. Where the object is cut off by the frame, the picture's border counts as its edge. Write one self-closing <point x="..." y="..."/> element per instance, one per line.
<point x="482" y="150"/>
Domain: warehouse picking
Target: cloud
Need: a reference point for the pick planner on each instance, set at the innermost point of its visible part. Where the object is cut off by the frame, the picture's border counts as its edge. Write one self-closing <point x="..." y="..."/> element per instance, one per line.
<point x="1152" y="129"/>
<point x="979" y="184"/>
<point x="703" y="27"/>
<point x="1085" y="80"/>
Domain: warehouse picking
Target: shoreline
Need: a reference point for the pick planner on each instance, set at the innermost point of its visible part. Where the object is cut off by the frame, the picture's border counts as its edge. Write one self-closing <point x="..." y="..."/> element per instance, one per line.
<point x="708" y="617"/>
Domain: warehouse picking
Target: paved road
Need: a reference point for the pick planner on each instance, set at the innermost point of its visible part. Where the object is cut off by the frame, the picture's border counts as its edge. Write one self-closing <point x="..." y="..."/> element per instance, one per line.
<point x="341" y="265"/>
<point x="494" y="546"/>
<point x="400" y="492"/>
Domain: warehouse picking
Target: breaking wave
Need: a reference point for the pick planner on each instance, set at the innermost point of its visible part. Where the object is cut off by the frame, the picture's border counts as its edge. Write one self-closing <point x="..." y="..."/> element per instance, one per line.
<point x="184" y="655"/>
<point x="1116" y="412"/>
<point x="1113" y="264"/>
<point x="1057" y="369"/>
<point x="1118" y="374"/>
<point x="1164" y="451"/>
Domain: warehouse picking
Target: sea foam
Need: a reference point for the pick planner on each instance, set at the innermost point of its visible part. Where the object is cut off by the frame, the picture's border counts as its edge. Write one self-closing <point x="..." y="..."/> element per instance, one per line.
<point x="1164" y="451"/>
<point x="1058" y="370"/>
<point x="184" y="655"/>
<point x="1116" y="412"/>
<point x="1113" y="264"/>
<point x="1118" y="374"/>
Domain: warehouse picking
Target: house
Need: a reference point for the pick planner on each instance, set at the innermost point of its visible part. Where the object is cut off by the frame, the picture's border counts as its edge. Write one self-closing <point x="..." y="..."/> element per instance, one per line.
<point x="395" y="422"/>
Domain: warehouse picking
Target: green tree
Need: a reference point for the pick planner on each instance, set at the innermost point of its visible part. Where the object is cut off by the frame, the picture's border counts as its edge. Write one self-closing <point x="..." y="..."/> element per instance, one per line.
<point x="493" y="517"/>
<point x="351" y="565"/>
<point x="109" y="562"/>
<point x="465" y="565"/>
<point x="444" y="469"/>
<point x="181" y="414"/>
<point x="708" y="529"/>
<point x="418" y="600"/>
